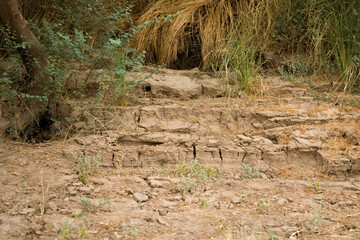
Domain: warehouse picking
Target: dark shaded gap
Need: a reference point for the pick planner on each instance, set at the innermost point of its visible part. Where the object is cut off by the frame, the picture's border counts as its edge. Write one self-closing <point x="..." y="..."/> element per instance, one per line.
<point x="221" y="157"/>
<point x="194" y="150"/>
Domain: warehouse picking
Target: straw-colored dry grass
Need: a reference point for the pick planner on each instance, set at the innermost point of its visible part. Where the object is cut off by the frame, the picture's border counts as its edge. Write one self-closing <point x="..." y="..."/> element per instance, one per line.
<point x="203" y="24"/>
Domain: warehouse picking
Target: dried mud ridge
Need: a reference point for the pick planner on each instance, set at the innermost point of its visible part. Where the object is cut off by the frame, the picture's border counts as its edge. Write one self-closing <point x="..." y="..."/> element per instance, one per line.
<point x="306" y="152"/>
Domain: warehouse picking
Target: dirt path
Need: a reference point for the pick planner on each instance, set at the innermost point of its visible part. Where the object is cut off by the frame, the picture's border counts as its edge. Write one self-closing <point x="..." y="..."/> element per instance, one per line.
<point x="283" y="165"/>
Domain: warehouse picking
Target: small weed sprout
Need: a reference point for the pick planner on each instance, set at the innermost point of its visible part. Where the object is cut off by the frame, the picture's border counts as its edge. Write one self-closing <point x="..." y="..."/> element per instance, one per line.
<point x="87" y="165"/>
<point x="66" y="228"/>
<point x="316" y="221"/>
<point x="204" y="203"/>
<point x="82" y="232"/>
<point x="166" y="171"/>
<point x="88" y="205"/>
<point x="243" y="196"/>
<point x="263" y="205"/>
<point x="130" y="229"/>
<point x="271" y="235"/>
<point x="194" y="174"/>
<point x="249" y="171"/>
<point x="222" y="226"/>
<point x="313" y="185"/>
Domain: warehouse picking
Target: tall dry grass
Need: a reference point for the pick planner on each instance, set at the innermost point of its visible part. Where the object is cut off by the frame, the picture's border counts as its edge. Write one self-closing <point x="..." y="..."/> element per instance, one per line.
<point x="207" y="23"/>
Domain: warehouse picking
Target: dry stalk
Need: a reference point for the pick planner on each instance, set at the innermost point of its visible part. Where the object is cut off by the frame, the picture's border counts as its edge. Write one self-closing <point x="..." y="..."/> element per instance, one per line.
<point x="45" y="192"/>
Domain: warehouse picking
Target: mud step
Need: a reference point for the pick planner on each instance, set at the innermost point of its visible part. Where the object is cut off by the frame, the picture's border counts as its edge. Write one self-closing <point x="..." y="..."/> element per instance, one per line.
<point x="269" y="151"/>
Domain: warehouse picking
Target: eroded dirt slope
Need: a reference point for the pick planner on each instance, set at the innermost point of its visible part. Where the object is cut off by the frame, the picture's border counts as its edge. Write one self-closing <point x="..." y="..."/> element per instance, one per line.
<point x="282" y="164"/>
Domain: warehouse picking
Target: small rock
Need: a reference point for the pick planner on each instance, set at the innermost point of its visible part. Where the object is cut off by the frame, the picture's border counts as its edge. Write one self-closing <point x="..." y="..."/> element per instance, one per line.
<point x="176" y="180"/>
<point x="27" y="211"/>
<point x="290" y="199"/>
<point x="169" y="204"/>
<point x="68" y="172"/>
<point x="212" y="143"/>
<point x="14" y="212"/>
<point x="177" y="198"/>
<point x="263" y="176"/>
<point x="282" y="201"/>
<point x="122" y="192"/>
<point x="138" y="179"/>
<point x="139" y="197"/>
<point x="162" y="222"/>
<point x="65" y="211"/>
<point x="50" y="227"/>
<point x="244" y="138"/>
<point x="189" y="200"/>
<point x="37" y="228"/>
<point x="257" y="125"/>
<point x="262" y="140"/>
<point x="98" y="181"/>
<point x="289" y="231"/>
<point x="52" y="196"/>
<point x="237" y="177"/>
<point x="236" y="200"/>
<point x="156" y="184"/>
<point x="218" y="205"/>
<point x="341" y="204"/>
<point x="52" y="206"/>
<point x="117" y="235"/>
<point x="130" y="191"/>
<point x="73" y="193"/>
<point x="85" y="190"/>
<point x="162" y="212"/>
<point x="319" y="198"/>
<point x="350" y="203"/>
<point x="149" y="219"/>
<point x="196" y="200"/>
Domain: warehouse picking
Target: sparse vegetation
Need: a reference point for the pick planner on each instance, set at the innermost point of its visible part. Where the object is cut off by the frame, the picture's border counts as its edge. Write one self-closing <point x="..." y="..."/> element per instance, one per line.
<point x="222" y="226"/>
<point x="249" y="171"/>
<point x="313" y="185"/>
<point x="130" y="230"/>
<point x="263" y="205"/>
<point x="67" y="227"/>
<point x="88" y="205"/>
<point x="187" y="184"/>
<point x="87" y="165"/>
<point x="316" y="221"/>
<point x="204" y="203"/>
<point x="244" y="196"/>
<point x="194" y="174"/>
<point x="166" y="171"/>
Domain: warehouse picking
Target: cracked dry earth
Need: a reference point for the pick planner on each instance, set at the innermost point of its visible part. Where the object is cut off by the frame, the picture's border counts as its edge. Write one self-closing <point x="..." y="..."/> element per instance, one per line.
<point x="288" y="168"/>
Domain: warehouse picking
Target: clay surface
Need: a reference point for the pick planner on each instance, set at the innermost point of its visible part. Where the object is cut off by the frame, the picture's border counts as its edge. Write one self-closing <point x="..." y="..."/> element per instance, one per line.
<point x="288" y="167"/>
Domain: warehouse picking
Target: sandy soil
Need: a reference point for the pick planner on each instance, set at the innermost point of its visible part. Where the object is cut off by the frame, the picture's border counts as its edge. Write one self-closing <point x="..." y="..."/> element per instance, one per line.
<point x="282" y="165"/>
